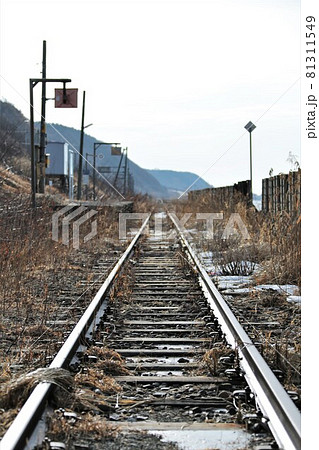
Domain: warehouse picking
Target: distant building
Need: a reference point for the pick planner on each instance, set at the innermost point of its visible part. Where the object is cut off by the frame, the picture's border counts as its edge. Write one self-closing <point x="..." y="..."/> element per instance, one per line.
<point x="61" y="165"/>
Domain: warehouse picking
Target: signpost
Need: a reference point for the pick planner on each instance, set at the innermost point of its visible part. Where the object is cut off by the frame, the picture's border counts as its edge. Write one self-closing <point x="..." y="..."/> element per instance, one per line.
<point x="250" y="128"/>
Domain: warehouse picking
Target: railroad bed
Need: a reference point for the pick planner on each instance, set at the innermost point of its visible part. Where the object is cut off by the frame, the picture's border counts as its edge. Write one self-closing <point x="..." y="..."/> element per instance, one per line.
<point x="163" y="336"/>
<point x="179" y="373"/>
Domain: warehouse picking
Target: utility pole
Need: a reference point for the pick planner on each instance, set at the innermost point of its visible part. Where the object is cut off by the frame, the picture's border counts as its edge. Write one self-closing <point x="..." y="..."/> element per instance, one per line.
<point x="43" y="125"/>
<point x="33" y="156"/>
<point x="118" y="169"/>
<point x="81" y="151"/>
<point x="125" y="172"/>
<point x="38" y="156"/>
<point x="94" y="170"/>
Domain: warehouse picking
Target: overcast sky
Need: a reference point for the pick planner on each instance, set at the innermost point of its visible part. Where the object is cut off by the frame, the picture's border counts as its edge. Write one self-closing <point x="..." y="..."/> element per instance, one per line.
<point x="174" y="81"/>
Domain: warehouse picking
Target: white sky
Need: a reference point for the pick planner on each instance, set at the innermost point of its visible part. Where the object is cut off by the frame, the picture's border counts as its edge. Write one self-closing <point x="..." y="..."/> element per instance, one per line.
<point x="174" y="81"/>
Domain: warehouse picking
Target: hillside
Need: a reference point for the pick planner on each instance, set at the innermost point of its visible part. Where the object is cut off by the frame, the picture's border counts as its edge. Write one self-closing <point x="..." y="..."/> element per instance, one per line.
<point x="14" y="133"/>
<point x="157" y="183"/>
<point x="178" y="182"/>
<point x="144" y="182"/>
<point x="11" y="183"/>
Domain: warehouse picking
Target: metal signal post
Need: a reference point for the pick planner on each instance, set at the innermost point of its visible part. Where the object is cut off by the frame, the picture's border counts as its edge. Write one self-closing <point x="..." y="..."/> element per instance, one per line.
<point x="250" y="128"/>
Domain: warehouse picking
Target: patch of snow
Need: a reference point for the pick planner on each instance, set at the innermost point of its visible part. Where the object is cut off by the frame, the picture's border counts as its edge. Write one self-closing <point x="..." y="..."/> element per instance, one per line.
<point x="229" y="288"/>
<point x="289" y="289"/>
<point x="222" y="439"/>
<point x="294" y="299"/>
<point x="233" y="281"/>
<point x="237" y="291"/>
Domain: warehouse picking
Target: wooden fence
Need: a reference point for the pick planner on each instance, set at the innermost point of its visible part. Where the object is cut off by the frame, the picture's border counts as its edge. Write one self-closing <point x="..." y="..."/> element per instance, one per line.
<point x="282" y="193"/>
<point x="279" y="193"/>
<point x="226" y="194"/>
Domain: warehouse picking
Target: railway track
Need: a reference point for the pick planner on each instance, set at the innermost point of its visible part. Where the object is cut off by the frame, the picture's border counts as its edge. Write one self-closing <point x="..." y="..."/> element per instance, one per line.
<point x="188" y="366"/>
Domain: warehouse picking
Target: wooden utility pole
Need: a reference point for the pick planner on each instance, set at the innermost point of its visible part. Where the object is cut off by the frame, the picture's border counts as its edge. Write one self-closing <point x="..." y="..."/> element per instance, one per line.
<point x="125" y="173"/>
<point x="38" y="155"/>
<point x="81" y="151"/>
<point x="33" y="156"/>
<point x="43" y="125"/>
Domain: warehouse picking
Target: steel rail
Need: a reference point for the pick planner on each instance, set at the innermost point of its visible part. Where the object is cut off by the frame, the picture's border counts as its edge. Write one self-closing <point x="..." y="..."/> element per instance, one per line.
<point x="20" y="430"/>
<point x="284" y="419"/>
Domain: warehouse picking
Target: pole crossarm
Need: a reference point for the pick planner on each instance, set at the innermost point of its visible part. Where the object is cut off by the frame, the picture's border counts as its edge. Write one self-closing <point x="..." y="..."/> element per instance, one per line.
<point x="35" y="81"/>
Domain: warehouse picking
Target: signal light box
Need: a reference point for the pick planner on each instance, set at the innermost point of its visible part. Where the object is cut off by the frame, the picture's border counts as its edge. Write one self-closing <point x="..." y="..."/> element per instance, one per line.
<point x="66" y="98"/>
<point x="116" y="151"/>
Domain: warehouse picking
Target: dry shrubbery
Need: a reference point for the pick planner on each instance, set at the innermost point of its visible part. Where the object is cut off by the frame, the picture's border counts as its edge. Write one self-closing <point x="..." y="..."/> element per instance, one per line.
<point x="274" y="241"/>
<point x="282" y="234"/>
<point x="27" y="253"/>
<point x="25" y="246"/>
<point x="37" y="272"/>
<point x="34" y="268"/>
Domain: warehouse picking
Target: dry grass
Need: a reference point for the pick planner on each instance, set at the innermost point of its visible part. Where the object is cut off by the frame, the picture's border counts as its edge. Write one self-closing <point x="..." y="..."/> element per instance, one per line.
<point x="108" y="360"/>
<point x="87" y="426"/>
<point x="15" y="391"/>
<point x="121" y="292"/>
<point x="83" y="392"/>
<point x="210" y="360"/>
<point x="6" y="419"/>
<point x="26" y="247"/>
<point x="284" y="353"/>
<point x="90" y="392"/>
<point x="274" y="241"/>
<point x="32" y="266"/>
<point x="13" y="183"/>
<point x="96" y="379"/>
<point x="84" y="399"/>
<point x="282" y="234"/>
